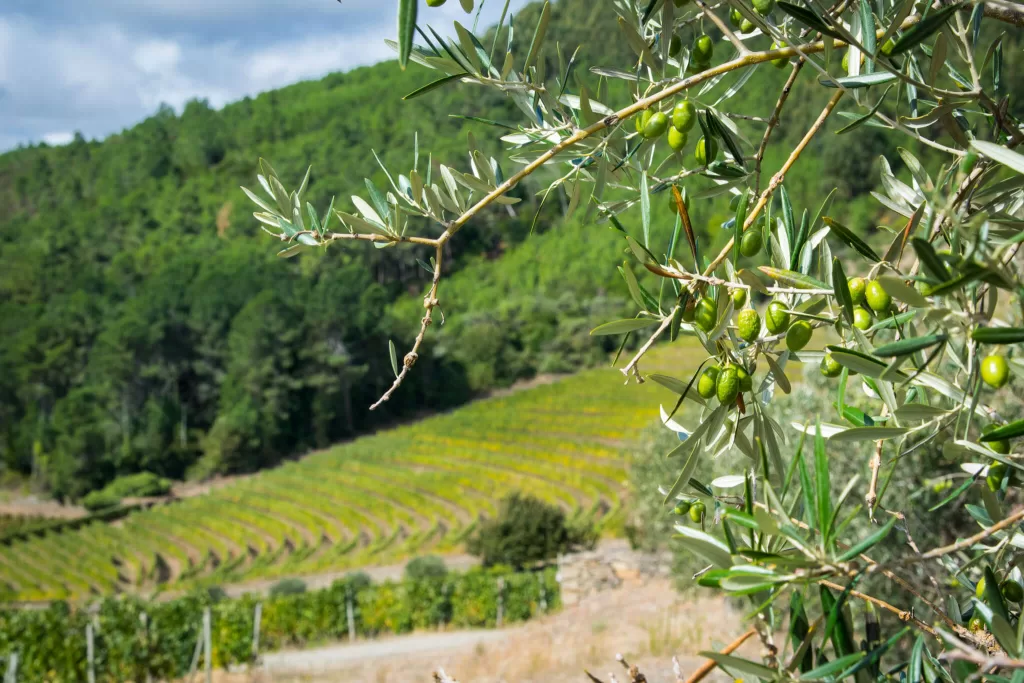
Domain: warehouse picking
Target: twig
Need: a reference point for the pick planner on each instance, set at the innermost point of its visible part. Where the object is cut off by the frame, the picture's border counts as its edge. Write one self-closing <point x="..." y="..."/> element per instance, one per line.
<point x="904" y="615"/>
<point x="773" y="122"/>
<point x="647" y="345"/>
<point x="778" y="178"/>
<point x="429" y="302"/>
<point x="875" y="463"/>
<point x="709" y="665"/>
<point x="331" y="237"/>
<point x="962" y="544"/>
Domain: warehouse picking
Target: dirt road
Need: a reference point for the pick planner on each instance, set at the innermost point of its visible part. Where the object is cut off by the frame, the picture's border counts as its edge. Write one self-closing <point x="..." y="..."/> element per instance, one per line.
<point x="647" y="623"/>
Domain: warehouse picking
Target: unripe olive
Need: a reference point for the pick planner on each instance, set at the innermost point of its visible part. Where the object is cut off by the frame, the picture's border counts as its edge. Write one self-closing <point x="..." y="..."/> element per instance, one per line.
<point x="746" y="381"/>
<point x="655" y="126"/>
<point x="776" y="318"/>
<point x="798" y="334"/>
<point x="856" y="285"/>
<point x="876" y="297"/>
<point x="751" y="243"/>
<point x="739" y="297"/>
<point x="690" y="309"/>
<point x="676" y="139"/>
<point x="746" y="26"/>
<point x="682" y="507"/>
<point x="706" y="151"/>
<point x="435" y="3"/>
<point x="703" y="49"/>
<point x="861" y="319"/>
<point x="708" y="381"/>
<point x="735" y="17"/>
<point x="697" y="512"/>
<point x="706" y="315"/>
<point x="728" y="386"/>
<point x="979" y="588"/>
<point x="1002" y="446"/>
<point x="967" y="163"/>
<point x="1012" y="590"/>
<point x="996" y="473"/>
<point x="830" y="367"/>
<point x="684" y="115"/>
<point x="764" y="7"/>
<point x="641" y="120"/>
<point x="675" y="45"/>
<point x="976" y="624"/>
<point x="780" y="62"/>
<point x="749" y="324"/>
<point x="995" y="371"/>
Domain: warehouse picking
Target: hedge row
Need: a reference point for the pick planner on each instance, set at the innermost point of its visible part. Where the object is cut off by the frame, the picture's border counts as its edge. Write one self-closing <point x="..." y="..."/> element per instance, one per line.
<point x="135" y="637"/>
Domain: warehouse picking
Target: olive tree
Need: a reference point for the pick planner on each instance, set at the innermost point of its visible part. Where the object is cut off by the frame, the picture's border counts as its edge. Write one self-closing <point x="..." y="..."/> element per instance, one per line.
<point x="921" y="318"/>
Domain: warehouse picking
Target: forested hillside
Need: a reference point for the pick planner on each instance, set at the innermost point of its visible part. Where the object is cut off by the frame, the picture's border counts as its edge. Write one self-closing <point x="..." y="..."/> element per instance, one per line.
<point x="146" y="323"/>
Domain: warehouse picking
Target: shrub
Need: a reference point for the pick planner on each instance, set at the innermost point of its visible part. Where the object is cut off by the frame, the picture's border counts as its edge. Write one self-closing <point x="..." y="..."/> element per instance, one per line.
<point x="290" y="586"/>
<point x="426" y="567"/>
<point x="139" y="485"/>
<point x="525" y="531"/>
<point x="100" y="500"/>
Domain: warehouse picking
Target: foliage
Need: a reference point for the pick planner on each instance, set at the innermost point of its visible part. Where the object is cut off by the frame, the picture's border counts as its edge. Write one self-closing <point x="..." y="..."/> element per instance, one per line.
<point x="425" y="567"/>
<point x="289" y="586"/>
<point x="100" y="500"/>
<point x="135" y="638"/>
<point x="916" y="324"/>
<point x="525" y="531"/>
<point x="135" y="305"/>
<point x="417" y="489"/>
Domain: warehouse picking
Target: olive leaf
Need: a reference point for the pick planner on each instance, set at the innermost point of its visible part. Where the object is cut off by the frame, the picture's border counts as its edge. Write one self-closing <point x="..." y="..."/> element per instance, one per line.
<point x="406" y="29"/>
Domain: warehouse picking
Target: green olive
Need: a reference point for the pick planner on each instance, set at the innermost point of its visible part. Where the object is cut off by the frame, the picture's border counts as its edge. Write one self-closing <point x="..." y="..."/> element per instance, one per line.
<point x="830" y="367"/>
<point x="751" y="243"/>
<point x="995" y="371"/>
<point x="708" y="381"/>
<point x="706" y="314"/>
<point x="684" y="115"/>
<point x="776" y="318"/>
<point x="739" y="298"/>
<point x="656" y="125"/>
<point x="749" y="324"/>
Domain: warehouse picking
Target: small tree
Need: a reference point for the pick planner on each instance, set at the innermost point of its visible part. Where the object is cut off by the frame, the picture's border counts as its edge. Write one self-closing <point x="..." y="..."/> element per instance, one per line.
<point x="526" y="530"/>
<point x="922" y="317"/>
<point x="426" y="567"/>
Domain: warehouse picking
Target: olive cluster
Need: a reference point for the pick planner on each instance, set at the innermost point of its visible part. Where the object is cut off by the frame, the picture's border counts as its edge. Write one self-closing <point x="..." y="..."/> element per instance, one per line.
<point x="695" y="509"/>
<point x="1009" y="589"/>
<point x="652" y="125"/>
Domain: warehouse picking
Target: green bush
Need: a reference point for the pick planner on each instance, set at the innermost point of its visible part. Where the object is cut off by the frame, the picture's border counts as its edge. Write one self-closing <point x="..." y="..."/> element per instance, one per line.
<point x="51" y="642"/>
<point x="426" y="567"/>
<point x="100" y="500"/>
<point x="291" y="586"/>
<point x="525" y="531"/>
<point x="139" y="485"/>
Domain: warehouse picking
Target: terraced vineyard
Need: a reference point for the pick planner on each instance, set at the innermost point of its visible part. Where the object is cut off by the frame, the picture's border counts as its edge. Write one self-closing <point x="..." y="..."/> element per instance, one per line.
<point x="415" y="489"/>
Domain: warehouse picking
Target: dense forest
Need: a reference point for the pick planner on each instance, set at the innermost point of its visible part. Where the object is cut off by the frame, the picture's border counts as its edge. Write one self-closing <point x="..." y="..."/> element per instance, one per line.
<point x="147" y="325"/>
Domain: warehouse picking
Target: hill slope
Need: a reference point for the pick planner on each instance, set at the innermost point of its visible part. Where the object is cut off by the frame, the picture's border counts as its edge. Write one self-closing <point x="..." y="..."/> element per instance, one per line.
<point x="378" y="499"/>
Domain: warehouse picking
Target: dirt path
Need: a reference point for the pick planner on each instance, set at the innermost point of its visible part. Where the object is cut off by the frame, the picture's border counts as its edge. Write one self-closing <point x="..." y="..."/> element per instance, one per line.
<point x="647" y="623"/>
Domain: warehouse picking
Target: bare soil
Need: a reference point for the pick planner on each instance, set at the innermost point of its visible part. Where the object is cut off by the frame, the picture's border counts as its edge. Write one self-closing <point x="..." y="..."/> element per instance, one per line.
<point x="648" y="624"/>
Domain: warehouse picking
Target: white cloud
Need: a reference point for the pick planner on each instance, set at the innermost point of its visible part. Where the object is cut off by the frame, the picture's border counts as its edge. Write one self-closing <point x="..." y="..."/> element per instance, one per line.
<point x="157" y="56"/>
<point x="103" y="70"/>
<point x="60" y="138"/>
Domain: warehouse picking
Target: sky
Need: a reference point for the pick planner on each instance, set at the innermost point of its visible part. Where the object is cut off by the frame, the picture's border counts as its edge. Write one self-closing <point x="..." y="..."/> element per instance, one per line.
<point x="99" y="66"/>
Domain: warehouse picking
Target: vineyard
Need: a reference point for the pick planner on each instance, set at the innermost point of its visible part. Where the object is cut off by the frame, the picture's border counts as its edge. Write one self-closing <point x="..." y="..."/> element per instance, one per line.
<point x="415" y="489"/>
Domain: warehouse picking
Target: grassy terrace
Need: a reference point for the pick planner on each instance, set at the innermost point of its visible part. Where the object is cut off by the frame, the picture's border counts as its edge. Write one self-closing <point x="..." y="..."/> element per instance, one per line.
<point x="375" y="500"/>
